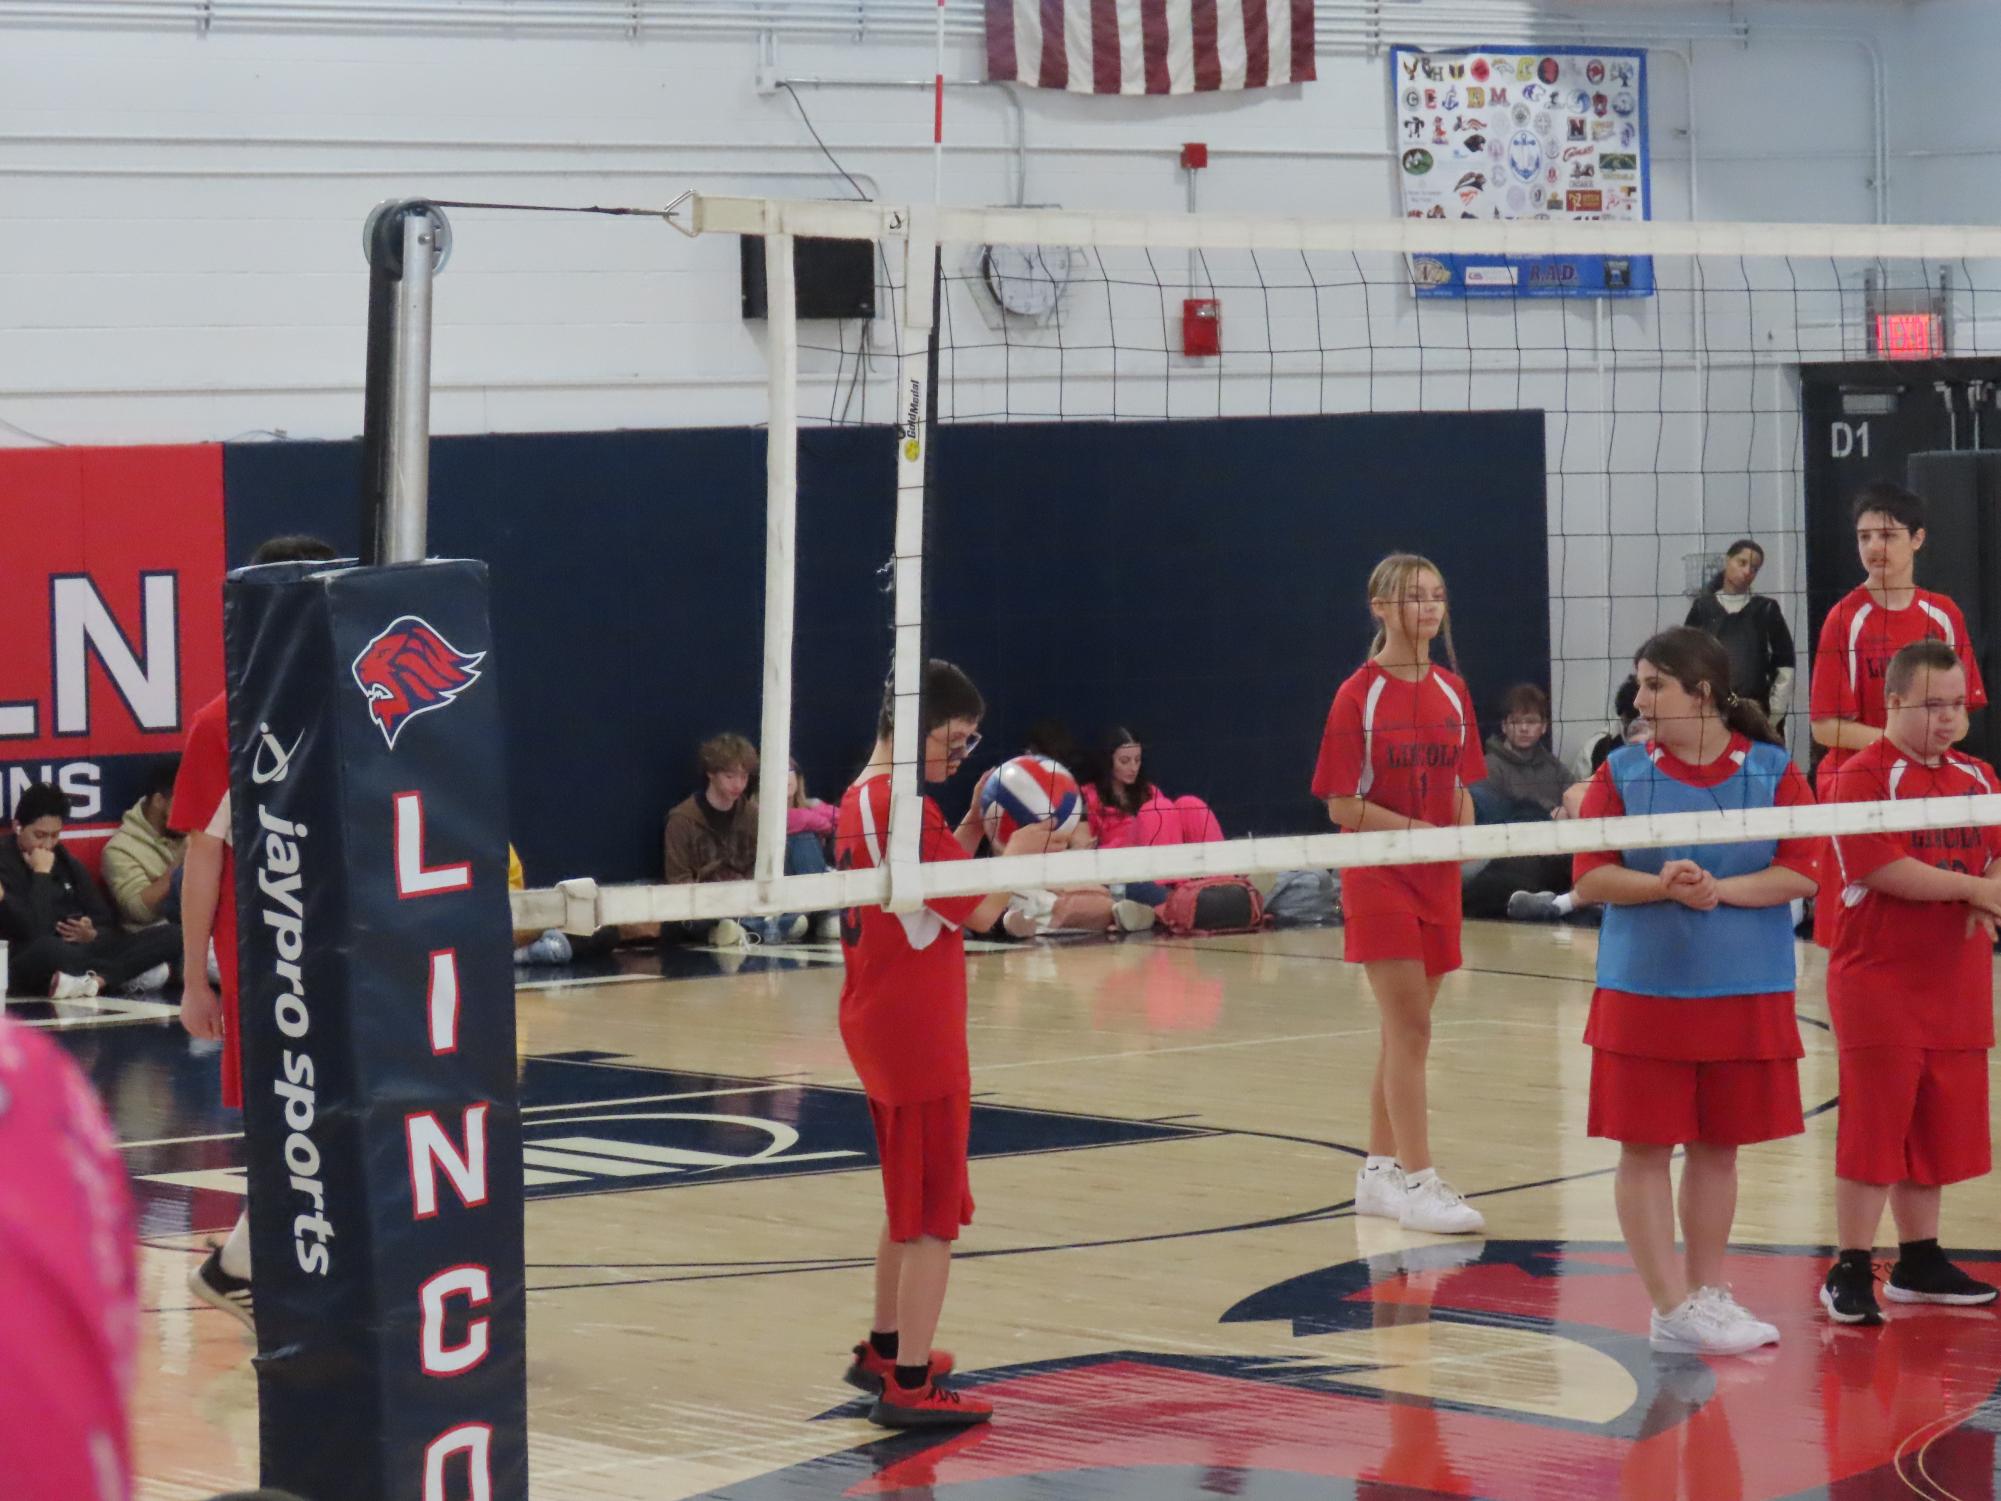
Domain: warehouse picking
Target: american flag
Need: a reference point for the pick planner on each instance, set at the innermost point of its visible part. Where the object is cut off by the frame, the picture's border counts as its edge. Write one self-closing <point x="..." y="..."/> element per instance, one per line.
<point x="1150" y="46"/>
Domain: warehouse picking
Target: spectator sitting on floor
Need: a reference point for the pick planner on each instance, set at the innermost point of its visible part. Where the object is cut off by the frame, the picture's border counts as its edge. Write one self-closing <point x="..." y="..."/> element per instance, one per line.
<point x="1525" y="779"/>
<point x="1525" y="784"/>
<point x="1557" y="900"/>
<point x="535" y="945"/>
<point x="809" y="828"/>
<point x="1126" y="809"/>
<point x="65" y="941"/>
<point x="712" y="836"/>
<point x="142" y="861"/>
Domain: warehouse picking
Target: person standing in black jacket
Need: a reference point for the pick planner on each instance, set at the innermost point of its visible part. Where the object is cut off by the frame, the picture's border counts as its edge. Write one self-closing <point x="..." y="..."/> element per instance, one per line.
<point x="64" y="939"/>
<point x="1751" y="628"/>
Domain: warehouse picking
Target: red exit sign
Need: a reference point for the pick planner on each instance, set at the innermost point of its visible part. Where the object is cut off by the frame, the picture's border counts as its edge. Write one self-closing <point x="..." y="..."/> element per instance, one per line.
<point x="1909" y="336"/>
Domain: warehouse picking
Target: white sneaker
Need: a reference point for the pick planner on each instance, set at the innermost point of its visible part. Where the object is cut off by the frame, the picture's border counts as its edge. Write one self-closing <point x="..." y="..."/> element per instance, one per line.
<point x="827" y="927"/>
<point x="74" y="987"/>
<point x="1380" y="1191"/>
<point x="148" y="982"/>
<point x="1129" y="916"/>
<point x="1437" y="1207"/>
<point x="794" y="928"/>
<point x="1735" y="1312"/>
<point x="1017" y="923"/>
<point x="1704" y="1325"/>
<point x="729" y="934"/>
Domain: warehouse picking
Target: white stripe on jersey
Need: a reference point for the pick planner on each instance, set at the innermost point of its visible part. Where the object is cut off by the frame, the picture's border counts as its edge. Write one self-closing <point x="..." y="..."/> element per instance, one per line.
<point x="923" y="926"/>
<point x="1944" y="622"/>
<point x="1458" y="709"/>
<point x="1971" y="768"/>
<point x="1855" y="635"/>
<point x="220" y="827"/>
<point x="1897" y="776"/>
<point x="865" y="810"/>
<point x="1368" y="779"/>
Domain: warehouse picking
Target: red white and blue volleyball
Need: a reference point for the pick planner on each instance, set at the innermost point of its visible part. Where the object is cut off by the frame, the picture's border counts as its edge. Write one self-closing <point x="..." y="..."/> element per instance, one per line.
<point x="1028" y="790"/>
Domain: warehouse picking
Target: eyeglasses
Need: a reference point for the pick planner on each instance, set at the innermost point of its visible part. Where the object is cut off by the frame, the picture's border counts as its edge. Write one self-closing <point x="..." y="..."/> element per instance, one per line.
<point x="963" y="748"/>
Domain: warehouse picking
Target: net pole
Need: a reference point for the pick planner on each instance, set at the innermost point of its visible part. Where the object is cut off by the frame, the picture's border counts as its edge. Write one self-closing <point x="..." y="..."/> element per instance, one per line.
<point x="915" y="374"/>
<point x="781" y="507"/>
<point x="406" y="514"/>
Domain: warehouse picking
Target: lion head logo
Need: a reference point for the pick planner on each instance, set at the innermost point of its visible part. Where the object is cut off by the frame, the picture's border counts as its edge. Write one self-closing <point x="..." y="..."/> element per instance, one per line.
<point x="409" y="669"/>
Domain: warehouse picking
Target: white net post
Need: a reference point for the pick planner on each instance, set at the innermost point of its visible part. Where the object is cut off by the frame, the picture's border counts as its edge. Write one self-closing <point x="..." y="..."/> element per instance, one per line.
<point x="781" y="502"/>
<point x="913" y="436"/>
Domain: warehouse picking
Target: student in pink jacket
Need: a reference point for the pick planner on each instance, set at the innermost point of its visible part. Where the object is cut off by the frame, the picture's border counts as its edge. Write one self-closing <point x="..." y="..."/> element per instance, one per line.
<point x="1126" y="809"/>
<point x="809" y="825"/>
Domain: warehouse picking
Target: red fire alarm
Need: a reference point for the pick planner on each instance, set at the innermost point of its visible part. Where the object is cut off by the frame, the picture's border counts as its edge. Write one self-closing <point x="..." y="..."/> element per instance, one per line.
<point x="1194" y="154"/>
<point x="1201" y="326"/>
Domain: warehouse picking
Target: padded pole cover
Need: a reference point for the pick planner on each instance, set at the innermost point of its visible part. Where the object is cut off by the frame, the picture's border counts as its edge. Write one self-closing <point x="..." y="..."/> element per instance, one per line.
<point x="382" y="1127"/>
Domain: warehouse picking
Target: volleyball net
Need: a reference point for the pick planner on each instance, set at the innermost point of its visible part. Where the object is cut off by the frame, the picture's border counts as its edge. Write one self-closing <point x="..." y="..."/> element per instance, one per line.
<point x="1132" y="472"/>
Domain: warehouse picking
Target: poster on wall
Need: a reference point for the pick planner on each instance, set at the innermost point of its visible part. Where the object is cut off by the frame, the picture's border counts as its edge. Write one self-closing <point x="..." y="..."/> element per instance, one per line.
<point x="1554" y="133"/>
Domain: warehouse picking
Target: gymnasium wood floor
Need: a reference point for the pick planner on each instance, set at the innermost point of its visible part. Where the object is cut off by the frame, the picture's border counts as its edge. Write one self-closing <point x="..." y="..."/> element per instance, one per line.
<point x="1164" y="1292"/>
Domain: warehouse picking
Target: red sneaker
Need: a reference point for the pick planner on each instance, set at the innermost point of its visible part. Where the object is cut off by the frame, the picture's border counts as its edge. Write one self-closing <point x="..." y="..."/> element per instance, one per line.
<point x="868" y="1371"/>
<point x="932" y="1405"/>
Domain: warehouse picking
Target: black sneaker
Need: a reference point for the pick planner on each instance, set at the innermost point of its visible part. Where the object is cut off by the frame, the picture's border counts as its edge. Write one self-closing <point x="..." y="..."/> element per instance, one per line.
<point x="1936" y="1280"/>
<point x="218" y="1289"/>
<point x="932" y="1405"/>
<point x="1849" y="1294"/>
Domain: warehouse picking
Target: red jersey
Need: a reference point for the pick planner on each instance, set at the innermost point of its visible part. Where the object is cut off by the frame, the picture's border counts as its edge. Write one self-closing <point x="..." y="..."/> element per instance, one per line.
<point x="903" y="1003"/>
<point x="69" y="1303"/>
<point x="1903" y="973"/>
<point x="201" y="806"/>
<point x="1408" y="747"/>
<point x="1706" y="1028"/>
<point x="1857" y="640"/>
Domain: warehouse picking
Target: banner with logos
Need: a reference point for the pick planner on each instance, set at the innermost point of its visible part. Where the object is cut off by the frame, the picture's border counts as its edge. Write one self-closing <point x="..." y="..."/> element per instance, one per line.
<point x="110" y="619"/>
<point x="382" y="1126"/>
<point x="1556" y="133"/>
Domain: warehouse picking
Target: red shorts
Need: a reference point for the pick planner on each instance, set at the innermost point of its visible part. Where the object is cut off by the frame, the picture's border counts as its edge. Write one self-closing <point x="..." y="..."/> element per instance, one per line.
<point x="1912" y="1115"/>
<point x="1666" y="1102"/>
<point x="923" y="1151"/>
<point x="1367" y="936"/>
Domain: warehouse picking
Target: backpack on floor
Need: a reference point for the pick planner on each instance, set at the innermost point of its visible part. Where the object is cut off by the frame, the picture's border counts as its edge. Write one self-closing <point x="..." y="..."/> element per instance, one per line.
<point x="1214" y="904"/>
<point x="1302" y="898"/>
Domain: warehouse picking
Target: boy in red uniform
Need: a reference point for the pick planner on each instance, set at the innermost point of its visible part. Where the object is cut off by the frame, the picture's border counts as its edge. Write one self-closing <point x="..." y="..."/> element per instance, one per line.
<point x="1399" y="751"/>
<point x="1873" y="621"/>
<point x="903" y="1019"/>
<point x="208" y="907"/>
<point x="1910" y="985"/>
